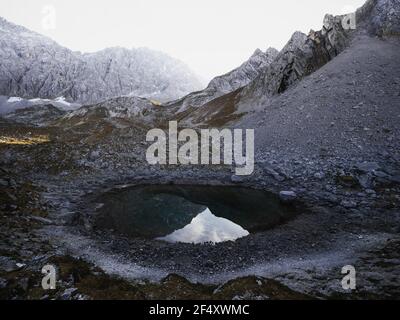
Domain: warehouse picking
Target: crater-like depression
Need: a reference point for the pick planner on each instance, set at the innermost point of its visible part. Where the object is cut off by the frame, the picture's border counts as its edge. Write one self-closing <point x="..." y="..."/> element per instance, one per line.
<point x="189" y="214"/>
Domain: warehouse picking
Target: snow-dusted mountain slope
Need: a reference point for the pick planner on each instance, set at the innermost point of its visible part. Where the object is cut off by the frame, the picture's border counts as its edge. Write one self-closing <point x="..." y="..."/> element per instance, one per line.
<point x="33" y="66"/>
<point x="145" y="111"/>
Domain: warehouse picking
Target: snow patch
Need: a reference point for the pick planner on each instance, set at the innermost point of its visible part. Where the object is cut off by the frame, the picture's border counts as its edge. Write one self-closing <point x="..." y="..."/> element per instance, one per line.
<point x="14" y="99"/>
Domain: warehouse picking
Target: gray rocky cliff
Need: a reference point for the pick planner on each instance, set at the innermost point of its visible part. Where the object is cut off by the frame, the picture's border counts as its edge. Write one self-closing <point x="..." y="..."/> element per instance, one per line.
<point x="230" y="82"/>
<point x="304" y="54"/>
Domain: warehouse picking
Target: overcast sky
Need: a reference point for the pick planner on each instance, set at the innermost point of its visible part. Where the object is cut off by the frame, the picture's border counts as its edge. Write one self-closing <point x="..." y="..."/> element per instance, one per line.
<point x="210" y="36"/>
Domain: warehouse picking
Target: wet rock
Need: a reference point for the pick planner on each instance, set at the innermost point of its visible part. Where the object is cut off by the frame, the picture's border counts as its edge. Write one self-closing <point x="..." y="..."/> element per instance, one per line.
<point x="3" y="183"/>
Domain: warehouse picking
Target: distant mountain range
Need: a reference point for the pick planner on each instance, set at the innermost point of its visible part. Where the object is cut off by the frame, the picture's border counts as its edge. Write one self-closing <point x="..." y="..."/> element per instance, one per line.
<point x="34" y="66"/>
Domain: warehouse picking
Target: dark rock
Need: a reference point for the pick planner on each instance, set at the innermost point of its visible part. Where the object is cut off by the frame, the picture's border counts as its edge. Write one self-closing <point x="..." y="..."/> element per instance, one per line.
<point x="23" y="284"/>
<point x="348" y="204"/>
<point x="7" y="264"/>
<point x="394" y="179"/>
<point x="287" y="196"/>
<point x="68" y="293"/>
<point x="3" y="283"/>
<point x="237" y="179"/>
<point x="348" y="180"/>
<point x="94" y="155"/>
<point x="4" y="183"/>
<point x="319" y="175"/>
<point x="367" y="167"/>
<point x="42" y="220"/>
<point x="274" y="174"/>
<point x="380" y="174"/>
<point x="365" y="181"/>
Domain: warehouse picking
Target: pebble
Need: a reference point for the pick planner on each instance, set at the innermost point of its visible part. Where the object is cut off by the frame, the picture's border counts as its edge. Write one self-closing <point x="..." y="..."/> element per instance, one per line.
<point x="319" y="175"/>
<point x="287" y="196"/>
<point x="348" y="204"/>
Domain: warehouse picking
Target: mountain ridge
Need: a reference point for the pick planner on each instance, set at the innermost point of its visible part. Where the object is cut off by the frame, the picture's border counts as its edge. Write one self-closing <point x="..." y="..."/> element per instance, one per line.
<point x="228" y="82"/>
<point x="35" y="66"/>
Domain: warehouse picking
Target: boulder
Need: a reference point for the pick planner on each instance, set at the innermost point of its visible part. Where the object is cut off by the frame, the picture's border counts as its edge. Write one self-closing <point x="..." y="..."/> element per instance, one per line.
<point x="287" y="196"/>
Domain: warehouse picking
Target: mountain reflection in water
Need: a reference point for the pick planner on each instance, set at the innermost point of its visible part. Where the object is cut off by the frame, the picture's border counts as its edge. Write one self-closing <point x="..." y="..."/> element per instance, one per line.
<point x="189" y="214"/>
<point x="206" y="227"/>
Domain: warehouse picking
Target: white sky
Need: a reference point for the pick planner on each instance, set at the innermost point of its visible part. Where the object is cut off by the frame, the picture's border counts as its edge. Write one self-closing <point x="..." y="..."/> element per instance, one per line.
<point x="210" y="36"/>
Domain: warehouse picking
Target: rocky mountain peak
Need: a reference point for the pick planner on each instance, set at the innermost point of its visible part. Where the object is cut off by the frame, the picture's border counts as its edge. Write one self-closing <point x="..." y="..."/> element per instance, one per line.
<point x="231" y="81"/>
<point x="272" y="52"/>
<point x="304" y="54"/>
<point x="34" y="66"/>
<point x="257" y="52"/>
<point x="261" y="58"/>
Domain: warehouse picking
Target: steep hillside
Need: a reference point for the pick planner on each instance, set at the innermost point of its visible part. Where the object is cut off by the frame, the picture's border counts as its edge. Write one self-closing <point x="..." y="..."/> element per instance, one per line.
<point x="33" y="66"/>
<point x="229" y="82"/>
<point x="302" y="56"/>
<point x="349" y="107"/>
<point x="38" y="115"/>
